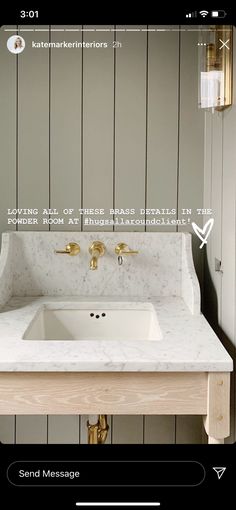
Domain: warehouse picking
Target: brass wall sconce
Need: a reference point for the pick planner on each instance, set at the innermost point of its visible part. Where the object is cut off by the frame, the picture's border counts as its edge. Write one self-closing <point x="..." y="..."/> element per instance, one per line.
<point x="215" y="67"/>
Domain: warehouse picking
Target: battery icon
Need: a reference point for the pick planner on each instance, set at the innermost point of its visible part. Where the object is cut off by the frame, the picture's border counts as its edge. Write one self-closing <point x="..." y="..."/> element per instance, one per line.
<point x="218" y="14"/>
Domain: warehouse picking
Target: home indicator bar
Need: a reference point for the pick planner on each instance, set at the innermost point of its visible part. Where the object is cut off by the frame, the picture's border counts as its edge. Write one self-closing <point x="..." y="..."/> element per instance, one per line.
<point x="118" y="504"/>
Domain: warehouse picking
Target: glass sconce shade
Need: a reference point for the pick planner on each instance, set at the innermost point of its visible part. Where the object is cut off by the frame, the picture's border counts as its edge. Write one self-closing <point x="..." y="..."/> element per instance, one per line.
<point x="215" y="67"/>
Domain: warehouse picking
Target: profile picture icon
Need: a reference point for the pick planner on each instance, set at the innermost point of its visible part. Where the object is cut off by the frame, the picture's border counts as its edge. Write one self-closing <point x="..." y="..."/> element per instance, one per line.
<point x="16" y="44"/>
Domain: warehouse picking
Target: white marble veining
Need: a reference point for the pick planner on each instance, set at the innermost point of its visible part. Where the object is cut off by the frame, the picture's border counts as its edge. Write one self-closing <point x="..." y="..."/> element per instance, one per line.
<point x="160" y="269"/>
<point x="162" y="274"/>
<point x="188" y="343"/>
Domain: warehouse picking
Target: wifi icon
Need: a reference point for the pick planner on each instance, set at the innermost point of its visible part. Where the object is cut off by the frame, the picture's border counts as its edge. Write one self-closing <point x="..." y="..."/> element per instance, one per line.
<point x="204" y="13"/>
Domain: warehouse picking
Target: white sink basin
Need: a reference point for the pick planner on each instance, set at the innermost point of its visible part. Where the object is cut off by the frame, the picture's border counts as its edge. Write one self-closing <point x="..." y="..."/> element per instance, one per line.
<point x="95" y="322"/>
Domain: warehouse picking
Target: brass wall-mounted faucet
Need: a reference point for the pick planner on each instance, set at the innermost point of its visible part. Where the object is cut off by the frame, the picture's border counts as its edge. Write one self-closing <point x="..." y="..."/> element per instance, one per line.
<point x="70" y="249"/>
<point x="122" y="249"/>
<point x="97" y="249"/>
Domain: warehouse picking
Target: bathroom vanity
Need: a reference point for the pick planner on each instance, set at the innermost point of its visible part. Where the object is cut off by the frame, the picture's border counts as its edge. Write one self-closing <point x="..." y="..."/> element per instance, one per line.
<point x="127" y="338"/>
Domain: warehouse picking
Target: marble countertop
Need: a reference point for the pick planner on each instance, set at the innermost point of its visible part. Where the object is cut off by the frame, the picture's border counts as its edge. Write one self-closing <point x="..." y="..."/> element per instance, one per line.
<point x="188" y="344"/>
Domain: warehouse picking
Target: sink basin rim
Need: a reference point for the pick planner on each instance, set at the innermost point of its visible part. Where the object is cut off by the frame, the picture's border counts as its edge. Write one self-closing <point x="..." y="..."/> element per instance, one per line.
<point x="149" y="325"/>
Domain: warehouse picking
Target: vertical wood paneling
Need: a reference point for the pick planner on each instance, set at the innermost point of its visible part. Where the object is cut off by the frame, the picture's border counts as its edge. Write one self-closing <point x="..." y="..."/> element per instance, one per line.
<point x="31" y="429"/>
<point x="65" y="166"/>
<point x="189" y="429"/>
<point x="228" y="224"/>
<point x="98" y="126"/>
<point x="33" y="167"/>
<point x="213" y="199"/>
<point x="8" y="99"/>
<point x="130" y="124"/>
<point x="207" y="163"/>
<point x="159" y="429"/>
<point x="228" y="297"/>
<point x="65" y="127"/>
<point x="207" y="203"/>
<point x="130" y="162"/>
<point x="8" y="102"/>
<point x="63" y="429"/>
<point x="216" y="204"/>
<point x="162" y="161"/>
<point x="162" y="126"/>
<point x="7" y="429"/>
<point x="33" y="127"/>
<point x="191" y="167"/>
<point x="191" y="140"/>
<point x="127" y="429"/>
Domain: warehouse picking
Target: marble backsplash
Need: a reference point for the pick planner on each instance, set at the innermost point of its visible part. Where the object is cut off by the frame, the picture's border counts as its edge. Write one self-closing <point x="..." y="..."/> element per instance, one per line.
<point x="163" y="266"/>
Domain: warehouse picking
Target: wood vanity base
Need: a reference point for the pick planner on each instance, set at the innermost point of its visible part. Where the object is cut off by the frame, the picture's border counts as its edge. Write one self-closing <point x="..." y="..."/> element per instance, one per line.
<point x="155" y="393"/>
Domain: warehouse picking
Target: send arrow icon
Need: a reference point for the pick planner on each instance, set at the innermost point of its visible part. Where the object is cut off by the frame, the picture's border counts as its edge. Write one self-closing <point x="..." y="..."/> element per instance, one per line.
<point x="219" y="471"/>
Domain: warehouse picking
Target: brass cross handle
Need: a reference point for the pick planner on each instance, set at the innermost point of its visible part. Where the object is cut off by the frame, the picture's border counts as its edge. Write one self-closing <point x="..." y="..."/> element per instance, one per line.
<point x="123" y="249"/>
<point x="70" y="249"/>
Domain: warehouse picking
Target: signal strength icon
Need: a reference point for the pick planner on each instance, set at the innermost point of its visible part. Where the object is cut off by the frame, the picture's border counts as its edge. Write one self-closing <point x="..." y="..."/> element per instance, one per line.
<point x="191" y="14"/>
<point x="203" y="13"/>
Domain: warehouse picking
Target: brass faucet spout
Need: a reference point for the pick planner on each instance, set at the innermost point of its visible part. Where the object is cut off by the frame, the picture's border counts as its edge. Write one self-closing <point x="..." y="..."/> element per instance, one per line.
<point x="97" y="249"/>
<point x="94" y="262"/>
